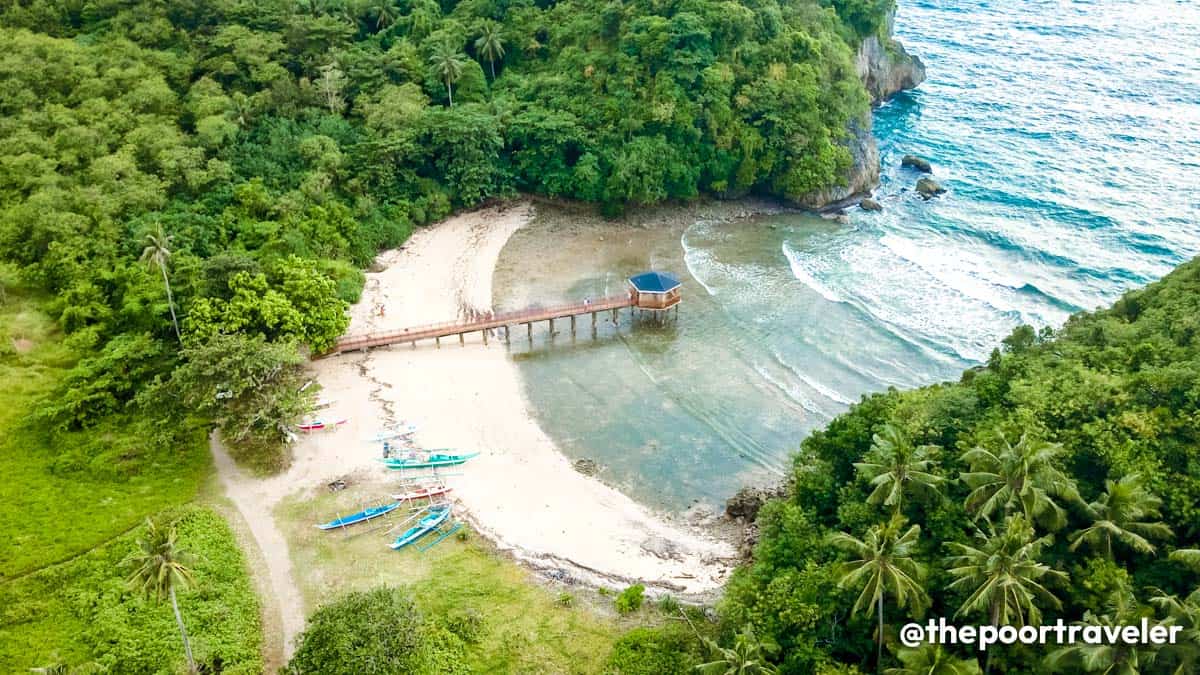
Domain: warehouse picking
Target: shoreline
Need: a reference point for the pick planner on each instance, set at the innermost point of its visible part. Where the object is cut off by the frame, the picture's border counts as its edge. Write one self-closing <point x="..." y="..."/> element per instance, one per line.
<point x="521" y="493"/>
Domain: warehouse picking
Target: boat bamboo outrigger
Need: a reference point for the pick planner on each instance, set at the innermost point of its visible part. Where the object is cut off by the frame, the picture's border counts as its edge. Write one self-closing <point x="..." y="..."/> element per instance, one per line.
<point x="391" y="433"/>
<point x="318" y="424"/>
<point x="360" y="516"/>
<point x="419" y="460"/>
<point x="431" y="519"/>
<point x="417" y="492"/>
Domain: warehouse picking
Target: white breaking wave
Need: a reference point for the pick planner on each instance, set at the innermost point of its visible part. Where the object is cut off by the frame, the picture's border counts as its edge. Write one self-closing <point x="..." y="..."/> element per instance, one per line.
<point x="805" y="277"/>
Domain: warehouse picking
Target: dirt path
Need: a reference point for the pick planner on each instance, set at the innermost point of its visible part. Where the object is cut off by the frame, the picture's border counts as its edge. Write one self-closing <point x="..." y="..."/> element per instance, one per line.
<point x="255" y="507"/>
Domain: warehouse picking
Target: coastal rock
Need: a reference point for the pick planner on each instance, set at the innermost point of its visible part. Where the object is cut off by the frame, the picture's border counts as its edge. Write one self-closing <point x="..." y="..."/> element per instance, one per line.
<point x="868" y="204"/>
<point x="662" y="548"/>
<point x="929" y="188"/>
<point x="919" y="163"/>
<point x="862" y="176"/>
<point x="745" y="504"/>
<point x="749" y="540"/>
<point x="886" y="67"/>
<point x="587" y="467"/>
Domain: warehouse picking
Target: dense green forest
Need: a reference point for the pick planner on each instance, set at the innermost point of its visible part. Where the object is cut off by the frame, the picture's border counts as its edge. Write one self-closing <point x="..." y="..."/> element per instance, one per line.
<point x="1060" y="480"/>
<point x="208" y="177"/>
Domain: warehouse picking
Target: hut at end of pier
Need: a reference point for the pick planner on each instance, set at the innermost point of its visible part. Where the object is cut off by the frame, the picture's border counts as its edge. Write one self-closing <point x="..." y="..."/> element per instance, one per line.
<point x="655" y="291"/>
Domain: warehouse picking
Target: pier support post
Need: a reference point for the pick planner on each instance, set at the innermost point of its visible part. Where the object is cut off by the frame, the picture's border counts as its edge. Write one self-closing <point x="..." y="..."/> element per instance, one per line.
<point x="572" y="325"/>
<point x="551" y="327"/>
<point x="614" y="314"/>
<point x="593" y="319"/>
<point x="461" y="341"/>
<point x="438" y="340"/>
<point x="484" y="334"/>
<point x="506" y="335"/>
<point x="529" y="330"/>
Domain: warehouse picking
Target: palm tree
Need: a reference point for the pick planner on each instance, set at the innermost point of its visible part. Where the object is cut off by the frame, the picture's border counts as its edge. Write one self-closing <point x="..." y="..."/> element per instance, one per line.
<point x="932" y="659"/>
<point x="1021" y="477"/>
<point x="385" y="13"/>
<point x="882" y="565"/>
<point x="893" y="466"/>
<point x="490" y="44"/>
<point x="1003" y="575"/>
<point x="160" y="567"/>
<point x="1118" y="658"/>
<point x="158" y="252"/>
<point x="447" y="62"/>
<point x="746" y="657"/>
<point x="1185" y="613"/>
<point x="1120" y="513"/>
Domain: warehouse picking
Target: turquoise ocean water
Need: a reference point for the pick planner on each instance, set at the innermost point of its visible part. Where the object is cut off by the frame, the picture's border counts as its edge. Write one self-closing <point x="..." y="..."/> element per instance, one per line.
<point x="1068" y="136"/>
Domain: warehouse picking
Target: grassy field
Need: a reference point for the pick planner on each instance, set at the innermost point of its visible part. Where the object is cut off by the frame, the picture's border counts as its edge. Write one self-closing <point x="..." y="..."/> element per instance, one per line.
<point x="50" y="512"/>
<point x="528" y="627"/>
<point x="65" y="526"/>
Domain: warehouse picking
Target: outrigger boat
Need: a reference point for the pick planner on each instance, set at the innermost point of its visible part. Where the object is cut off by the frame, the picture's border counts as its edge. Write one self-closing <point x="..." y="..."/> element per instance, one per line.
<point x="318" y="424"/>
<point x="435" y="516"/>
<point x="416" y="492"/>
<point x="391" y="433"/>
<point x="416" y="460"/>
<point x="360" y="517"/>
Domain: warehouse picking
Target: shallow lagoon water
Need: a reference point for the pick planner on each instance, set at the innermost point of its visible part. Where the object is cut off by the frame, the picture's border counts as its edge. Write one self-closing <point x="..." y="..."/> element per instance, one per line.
<point x="1068" y="136"/>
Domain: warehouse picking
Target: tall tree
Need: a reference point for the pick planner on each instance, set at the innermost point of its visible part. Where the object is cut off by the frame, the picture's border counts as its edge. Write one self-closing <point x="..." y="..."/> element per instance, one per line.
<point x="1003" y="576"/>
<point x="490" y="44"/>
<point x="1020" y="478"/>
<point x="882" y="565"/>
<point x="1121" y="514"/>
<point x="1184" y="612"/>
<point x="160" y="567"/>
<point x="893" y="467"/>
<point x="157" y="252"/>
<point x="932" y="659"/>
<point x="447" y="63"/>
<point x="1115" y="658"/>
<point x="384" y="12"/>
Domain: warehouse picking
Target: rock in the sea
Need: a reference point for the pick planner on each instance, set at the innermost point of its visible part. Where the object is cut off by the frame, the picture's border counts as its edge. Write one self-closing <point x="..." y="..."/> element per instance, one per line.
<point x="587" y="467"/>
<point x="929" y="188"/>
<point x="868" y="204"/>
<point x="919" y="163"/>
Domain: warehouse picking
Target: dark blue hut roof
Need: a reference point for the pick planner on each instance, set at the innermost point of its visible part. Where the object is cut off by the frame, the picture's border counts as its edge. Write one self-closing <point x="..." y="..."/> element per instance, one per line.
<point x="654" y="282"/>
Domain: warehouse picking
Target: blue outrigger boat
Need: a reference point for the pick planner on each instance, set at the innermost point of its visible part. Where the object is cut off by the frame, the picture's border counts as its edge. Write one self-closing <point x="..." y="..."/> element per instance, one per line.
<point x="426" y="460"/>
<point x="361" y="516"/>
<point x="436" y="515"/>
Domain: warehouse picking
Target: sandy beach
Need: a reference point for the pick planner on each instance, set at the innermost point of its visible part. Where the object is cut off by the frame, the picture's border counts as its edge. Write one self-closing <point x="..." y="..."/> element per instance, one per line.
<point x="520" y="492"/>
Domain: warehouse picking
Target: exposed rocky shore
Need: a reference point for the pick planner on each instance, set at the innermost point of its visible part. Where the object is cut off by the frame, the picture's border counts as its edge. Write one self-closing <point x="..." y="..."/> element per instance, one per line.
<point x="885" y="68"/>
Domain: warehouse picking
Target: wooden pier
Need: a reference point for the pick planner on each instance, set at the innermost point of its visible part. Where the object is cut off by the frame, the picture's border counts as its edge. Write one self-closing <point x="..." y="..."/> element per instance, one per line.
<point x="662" y="297"/>
<point x="483" y="325"/>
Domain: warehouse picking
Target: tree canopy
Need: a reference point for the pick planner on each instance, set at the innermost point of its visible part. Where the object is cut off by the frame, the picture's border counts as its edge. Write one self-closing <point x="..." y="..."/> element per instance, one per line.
<point x="1067" y="479"/>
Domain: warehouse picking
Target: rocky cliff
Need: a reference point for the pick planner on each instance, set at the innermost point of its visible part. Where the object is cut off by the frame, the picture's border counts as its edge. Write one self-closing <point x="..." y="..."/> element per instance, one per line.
<point x="885" y="68"/>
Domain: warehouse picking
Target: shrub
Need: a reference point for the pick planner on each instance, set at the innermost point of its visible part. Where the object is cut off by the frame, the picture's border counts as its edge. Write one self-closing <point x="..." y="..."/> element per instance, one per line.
<point x="377" y="631"/>
<point x="668" y="650"/>
<point x="630" y="599"/>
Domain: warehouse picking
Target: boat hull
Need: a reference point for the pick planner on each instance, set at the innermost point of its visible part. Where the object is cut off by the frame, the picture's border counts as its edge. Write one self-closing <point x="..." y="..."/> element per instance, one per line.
<point x="360" y="517"/>
<point x="422" y="528"/>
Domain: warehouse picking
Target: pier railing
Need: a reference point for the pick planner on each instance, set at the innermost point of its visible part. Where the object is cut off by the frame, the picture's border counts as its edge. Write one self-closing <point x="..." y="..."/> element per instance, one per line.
<point x="359" y="341"/>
